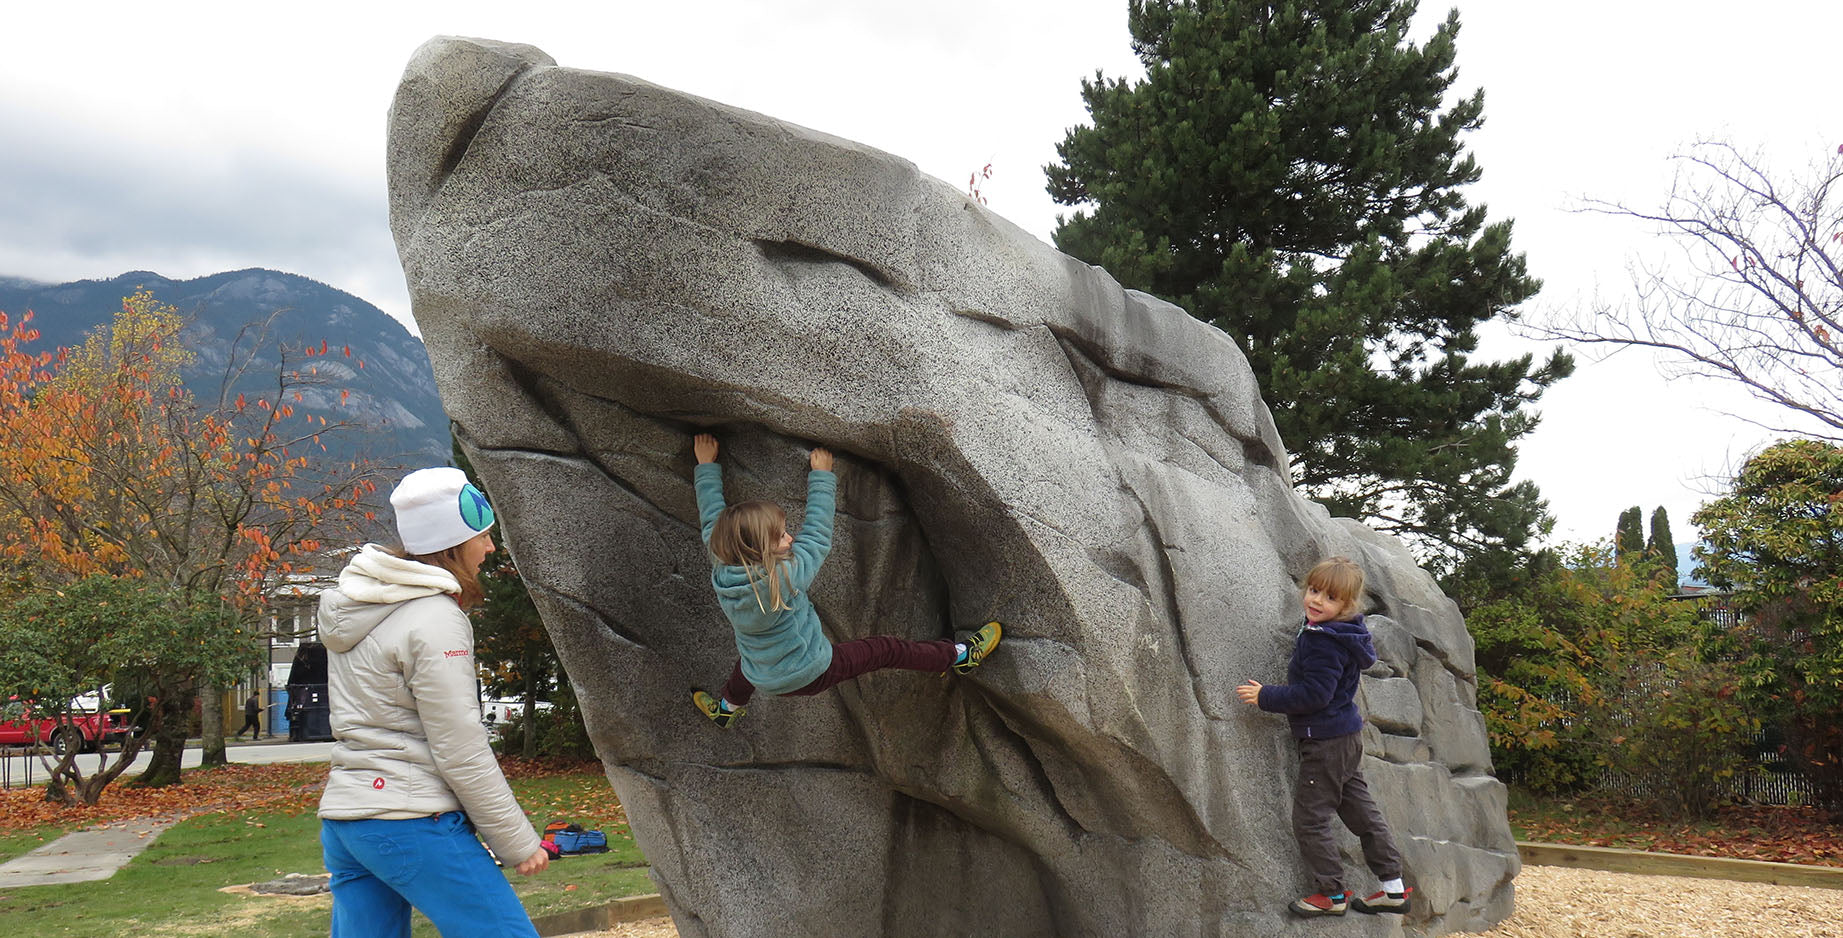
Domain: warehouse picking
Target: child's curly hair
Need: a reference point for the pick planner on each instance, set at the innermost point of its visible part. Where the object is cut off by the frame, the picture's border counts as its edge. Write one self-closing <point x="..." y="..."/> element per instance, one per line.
<point x="748" y="535"/>
<point x="1341" y="579"/>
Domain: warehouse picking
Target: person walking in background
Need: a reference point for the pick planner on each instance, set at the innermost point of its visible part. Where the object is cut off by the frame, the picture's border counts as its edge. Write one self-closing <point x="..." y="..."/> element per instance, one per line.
<point x="1319" y="700"/>
<point x="252" y="716"/>
<point x="413" y="777"/>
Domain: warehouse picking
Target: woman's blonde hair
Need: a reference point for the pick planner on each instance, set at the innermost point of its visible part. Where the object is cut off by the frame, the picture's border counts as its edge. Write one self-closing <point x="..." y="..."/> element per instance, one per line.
<point x="450" y="560"/>
<point x="1340" y="579"/>
<point x="748" y="535"/>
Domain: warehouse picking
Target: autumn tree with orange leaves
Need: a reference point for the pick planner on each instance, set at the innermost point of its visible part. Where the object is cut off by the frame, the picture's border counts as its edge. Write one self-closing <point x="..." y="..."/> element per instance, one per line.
<point x="110" y="467"/>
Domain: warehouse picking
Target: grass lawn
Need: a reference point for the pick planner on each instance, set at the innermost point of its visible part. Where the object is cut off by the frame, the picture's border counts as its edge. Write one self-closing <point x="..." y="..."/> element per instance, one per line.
<point x="17" y="843"/>
<point x="172" y="887"/>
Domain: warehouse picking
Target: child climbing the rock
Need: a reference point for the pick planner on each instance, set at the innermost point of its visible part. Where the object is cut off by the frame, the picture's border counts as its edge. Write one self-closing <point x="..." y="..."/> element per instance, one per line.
<point x="1319" y="700"/>
<point x="762" y="574"/>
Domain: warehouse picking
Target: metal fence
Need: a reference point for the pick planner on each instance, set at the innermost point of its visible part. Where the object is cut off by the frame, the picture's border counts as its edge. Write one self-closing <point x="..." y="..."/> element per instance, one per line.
<point x="1769" y="782"/>
<point x="18" y="765"/>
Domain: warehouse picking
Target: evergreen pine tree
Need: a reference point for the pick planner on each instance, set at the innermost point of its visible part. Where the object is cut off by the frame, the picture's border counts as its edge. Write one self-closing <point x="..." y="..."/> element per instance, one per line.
<point x="1293" y="174"/>
<point x="1629" y="536"/>
<point x="510" y="640"/>
<point x="1662" y="549"/>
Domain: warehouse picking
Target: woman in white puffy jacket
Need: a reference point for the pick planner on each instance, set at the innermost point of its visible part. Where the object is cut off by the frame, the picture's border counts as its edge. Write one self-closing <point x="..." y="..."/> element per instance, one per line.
<point x="413" y="777"/>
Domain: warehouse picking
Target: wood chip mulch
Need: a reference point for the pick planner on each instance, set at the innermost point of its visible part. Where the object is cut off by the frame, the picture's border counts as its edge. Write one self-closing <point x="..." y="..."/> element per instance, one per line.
<point x="1558" y="902"/>
<point x="1555" y="902"/>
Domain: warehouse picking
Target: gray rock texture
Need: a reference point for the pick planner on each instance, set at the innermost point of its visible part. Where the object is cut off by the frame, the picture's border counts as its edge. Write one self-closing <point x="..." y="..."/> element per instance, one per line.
<point x="602" y="267"/>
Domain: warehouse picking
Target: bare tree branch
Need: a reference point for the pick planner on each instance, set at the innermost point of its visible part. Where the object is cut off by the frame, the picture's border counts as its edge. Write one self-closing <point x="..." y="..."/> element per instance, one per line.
<point x="1753" y="294"/>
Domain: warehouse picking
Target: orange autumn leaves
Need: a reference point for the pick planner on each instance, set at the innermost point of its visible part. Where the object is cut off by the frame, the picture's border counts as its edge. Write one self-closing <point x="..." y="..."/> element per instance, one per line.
<point x="1742" y="832"/>
<point x="291" y="788"/>
<point x="108" y="464"/>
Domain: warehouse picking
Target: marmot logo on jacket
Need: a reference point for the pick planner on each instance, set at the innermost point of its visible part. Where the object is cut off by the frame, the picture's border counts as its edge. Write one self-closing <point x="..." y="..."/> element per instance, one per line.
<point x="456" y="653"/>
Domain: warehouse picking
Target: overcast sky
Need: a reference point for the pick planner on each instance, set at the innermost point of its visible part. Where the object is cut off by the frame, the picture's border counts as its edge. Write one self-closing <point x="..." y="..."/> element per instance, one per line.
<point x="189" y="138"/>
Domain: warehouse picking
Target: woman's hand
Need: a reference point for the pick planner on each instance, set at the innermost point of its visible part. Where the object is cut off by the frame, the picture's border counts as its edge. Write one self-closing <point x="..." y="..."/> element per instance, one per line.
<point x="822" y="459"/>
<point x="704" y="446"/>
<point x="1249" y="692"/>
<point x="535" y="863"/>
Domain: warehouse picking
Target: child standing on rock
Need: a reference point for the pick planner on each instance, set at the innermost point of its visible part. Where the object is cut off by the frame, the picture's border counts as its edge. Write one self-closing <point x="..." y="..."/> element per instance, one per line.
<point x="762" y="574"/>
<point x="1319" y="699"/>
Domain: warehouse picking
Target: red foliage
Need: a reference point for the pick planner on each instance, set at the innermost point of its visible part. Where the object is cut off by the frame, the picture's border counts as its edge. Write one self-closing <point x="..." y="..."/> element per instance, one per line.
<point x="291" y="788"/>
<point x="1741" y="832"/>
<point x="516" y="767"/>
<point x="232" y="788"/>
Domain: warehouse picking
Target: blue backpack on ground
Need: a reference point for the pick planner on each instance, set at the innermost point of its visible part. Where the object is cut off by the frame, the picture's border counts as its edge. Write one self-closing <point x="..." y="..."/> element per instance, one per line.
<point x="572" y="839"/>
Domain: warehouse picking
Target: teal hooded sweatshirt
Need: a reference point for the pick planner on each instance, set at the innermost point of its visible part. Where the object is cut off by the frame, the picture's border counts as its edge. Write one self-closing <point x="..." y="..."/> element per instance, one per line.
<point x="781" y="650"/>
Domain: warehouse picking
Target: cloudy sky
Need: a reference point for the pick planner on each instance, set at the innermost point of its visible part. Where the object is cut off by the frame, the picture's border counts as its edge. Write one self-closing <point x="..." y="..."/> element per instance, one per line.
<point x="189" y="138"/>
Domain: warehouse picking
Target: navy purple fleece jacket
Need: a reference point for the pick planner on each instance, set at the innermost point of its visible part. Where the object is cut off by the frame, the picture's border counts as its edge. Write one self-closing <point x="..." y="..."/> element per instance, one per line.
<point x="1319" y="697"/>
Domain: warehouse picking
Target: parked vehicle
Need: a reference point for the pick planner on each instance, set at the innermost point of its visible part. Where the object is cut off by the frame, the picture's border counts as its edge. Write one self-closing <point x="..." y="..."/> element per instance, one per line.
<point x="504" y="709"/>
<point x="89" y="728"/>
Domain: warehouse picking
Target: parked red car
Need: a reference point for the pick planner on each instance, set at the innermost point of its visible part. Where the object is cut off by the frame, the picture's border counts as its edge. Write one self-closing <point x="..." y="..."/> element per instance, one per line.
<point x="20" y="727"/>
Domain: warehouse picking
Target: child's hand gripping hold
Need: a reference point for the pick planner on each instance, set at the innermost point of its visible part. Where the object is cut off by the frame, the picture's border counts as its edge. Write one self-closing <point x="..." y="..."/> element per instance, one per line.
<point x="704" y="446"/>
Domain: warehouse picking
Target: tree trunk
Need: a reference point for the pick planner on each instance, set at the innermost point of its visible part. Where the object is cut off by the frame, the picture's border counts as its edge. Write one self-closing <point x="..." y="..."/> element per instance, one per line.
<point x="89" y="791"/>
<point x="211" y="720"/>
<point x="169" y="734"/>
<point x="531" y="706"/>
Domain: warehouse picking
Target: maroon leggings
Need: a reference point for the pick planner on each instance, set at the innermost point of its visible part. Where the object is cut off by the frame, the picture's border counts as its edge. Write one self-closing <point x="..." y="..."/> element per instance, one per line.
<point x="850" y="659"/>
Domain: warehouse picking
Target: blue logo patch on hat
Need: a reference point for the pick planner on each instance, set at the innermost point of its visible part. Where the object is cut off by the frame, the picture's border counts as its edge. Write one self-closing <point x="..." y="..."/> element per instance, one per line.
<point x="474" y="509"/>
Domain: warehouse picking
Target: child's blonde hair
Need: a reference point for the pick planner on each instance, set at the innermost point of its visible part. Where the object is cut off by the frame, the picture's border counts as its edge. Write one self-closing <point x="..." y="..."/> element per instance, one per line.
<point x="1340" y="579"/>
<point x="748" y="535"/>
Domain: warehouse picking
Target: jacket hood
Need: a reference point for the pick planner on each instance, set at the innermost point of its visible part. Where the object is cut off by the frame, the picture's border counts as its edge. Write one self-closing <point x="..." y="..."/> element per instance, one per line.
<point x="370" y="587"/>
<point x="1353" y="636"/>
<point x="740" y="597"/>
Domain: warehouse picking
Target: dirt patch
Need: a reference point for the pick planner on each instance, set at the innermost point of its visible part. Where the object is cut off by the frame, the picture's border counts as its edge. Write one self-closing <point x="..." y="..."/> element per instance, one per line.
<point x="646" y="928"/>
<point x="243" y="889"/>
<point x="1554" y="902"/>
<point x="254" y="917"/>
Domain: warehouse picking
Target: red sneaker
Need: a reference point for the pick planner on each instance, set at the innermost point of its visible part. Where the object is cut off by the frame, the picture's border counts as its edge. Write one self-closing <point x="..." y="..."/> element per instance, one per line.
<point x="1318" y="903"/>
<point x="1384" y="902"/>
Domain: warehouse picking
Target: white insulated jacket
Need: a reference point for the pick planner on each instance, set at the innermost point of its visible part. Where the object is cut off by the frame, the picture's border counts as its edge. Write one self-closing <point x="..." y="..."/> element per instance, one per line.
<point x="405" y="707"/>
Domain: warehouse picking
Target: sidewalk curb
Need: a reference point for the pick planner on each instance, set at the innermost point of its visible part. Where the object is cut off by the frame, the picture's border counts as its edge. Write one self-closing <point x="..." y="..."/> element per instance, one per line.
<point x="630" y="909"/>
<point x="1615" y="860"/>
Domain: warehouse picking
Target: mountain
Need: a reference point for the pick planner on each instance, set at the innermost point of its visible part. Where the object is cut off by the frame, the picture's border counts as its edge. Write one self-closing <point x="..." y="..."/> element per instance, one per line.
<point x="1686" y="566"/>
<point x="392" y="397"/>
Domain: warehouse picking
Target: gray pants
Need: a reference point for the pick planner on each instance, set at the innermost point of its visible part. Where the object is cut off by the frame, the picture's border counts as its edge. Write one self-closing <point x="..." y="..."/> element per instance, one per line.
<point x="1331" y="783"/>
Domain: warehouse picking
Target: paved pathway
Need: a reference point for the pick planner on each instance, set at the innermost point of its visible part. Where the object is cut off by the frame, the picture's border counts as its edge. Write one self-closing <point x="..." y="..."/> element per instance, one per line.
<point x="27" y="770"/>
<point x="83" y="856"/>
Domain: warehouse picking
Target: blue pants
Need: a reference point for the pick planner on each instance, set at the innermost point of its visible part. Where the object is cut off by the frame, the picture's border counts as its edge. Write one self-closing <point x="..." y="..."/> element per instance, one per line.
<point x="381" y="868"/>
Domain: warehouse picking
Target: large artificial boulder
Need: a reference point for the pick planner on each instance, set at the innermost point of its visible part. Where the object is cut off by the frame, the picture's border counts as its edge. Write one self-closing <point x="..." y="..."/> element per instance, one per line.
<point x="602" y="267"/>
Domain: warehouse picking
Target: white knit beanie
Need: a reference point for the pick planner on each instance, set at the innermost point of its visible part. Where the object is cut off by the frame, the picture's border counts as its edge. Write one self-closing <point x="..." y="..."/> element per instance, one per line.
<point x="437" y="509"/>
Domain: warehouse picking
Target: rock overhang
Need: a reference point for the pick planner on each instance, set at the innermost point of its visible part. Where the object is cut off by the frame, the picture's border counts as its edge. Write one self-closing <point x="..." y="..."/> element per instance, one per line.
<point x="602" y="266"/>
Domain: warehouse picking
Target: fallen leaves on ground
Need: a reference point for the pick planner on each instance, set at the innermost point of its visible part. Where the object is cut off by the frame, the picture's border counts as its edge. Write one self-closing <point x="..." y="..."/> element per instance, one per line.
<point x="1742" y="832"/>
<point x="576" y="792"/>
<point x="230" y="788"/>
<point x="573" y="791"/>
<point x="519" y="767"/>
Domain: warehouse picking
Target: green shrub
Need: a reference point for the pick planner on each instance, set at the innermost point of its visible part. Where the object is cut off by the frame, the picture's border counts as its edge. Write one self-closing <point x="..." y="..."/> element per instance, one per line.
<point x="1676" y="726"/>
<point x="559" y="731"/>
